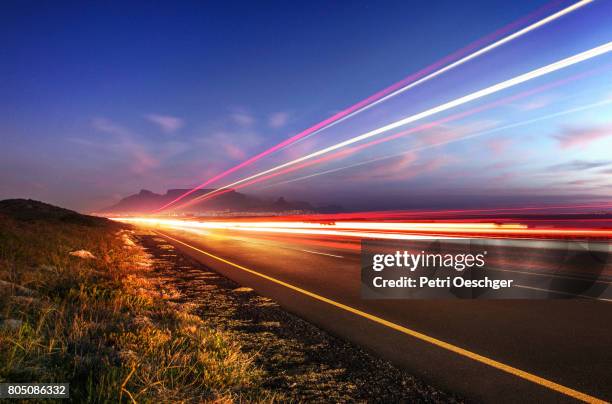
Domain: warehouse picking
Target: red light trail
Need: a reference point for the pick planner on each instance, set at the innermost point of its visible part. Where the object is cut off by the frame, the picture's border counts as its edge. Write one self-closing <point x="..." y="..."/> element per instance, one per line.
<point x="430" y="214"/>
<point x="381" y="230"/>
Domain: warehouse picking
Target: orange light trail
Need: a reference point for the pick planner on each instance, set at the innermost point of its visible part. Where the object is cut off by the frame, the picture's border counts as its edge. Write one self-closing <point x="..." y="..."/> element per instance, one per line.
<point x="379" y="230"/>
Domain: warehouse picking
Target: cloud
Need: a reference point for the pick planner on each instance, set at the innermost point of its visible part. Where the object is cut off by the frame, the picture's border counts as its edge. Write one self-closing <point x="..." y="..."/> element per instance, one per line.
<point x="167" y="123"/>
<point x="503" y="178"/>
<point x="233" y="151"/>
<point x="534" y="103"/>
<point x="499" y="145"/>
<point x="581" y="137"/>
<point x="443" y="134"/>
<point x="278" y="119"/>
<point x="579" y="182"/>
<point x="580" y="165"/>
<point x="140" y="160"/>
<point x="402" y="168"/>
<point x="235" y="145"/>
<point x="243" y="118"/>
<point x="395" y="171"/>
<point x="106" y="126"/>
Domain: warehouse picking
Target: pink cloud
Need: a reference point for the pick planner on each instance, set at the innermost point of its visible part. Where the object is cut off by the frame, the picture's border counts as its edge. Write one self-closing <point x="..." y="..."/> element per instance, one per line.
<point x="446" y="134"/>
<point x="167" y="123"/>
<point x="300" y="149"/>
<point x="140" y="160"/>
<point x="581" y="137"/>
<point x="402" y="168"/>
<point x="396" y="170"/>
<point x="236" y="145"/>
<point x="233" y="151"/>
<point x="579" y="182"/>
<point x="499" y="145"/>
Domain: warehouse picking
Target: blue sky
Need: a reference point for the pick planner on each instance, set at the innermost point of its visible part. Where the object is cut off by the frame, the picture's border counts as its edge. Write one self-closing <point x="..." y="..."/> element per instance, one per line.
<point x="100" y="100"/>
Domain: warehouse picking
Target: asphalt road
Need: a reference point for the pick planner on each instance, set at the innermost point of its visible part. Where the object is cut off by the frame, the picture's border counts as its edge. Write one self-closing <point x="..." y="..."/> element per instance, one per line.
<point x="563" y="345"/>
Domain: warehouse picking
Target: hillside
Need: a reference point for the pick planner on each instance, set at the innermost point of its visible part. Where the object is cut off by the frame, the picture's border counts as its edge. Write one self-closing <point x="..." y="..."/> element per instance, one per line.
<point x="29" y="210"/>
<point x="79" y="304"/>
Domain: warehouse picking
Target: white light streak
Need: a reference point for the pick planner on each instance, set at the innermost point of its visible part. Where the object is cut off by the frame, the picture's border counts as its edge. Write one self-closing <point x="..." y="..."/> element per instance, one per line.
<point x="459" y="62"/>
<point x="561" y="64"/>
<point x="459" y="139"/>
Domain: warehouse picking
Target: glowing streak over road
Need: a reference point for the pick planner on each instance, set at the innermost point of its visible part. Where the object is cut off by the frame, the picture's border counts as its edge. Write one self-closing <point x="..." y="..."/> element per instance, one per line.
<point x="328" y="230"/>
<point x="561" y="64"/>
<point x="380" y="230"/>
<point x="457" y="63"/>
<point x="354" y="149"/>
<point x="467" y="137"/>
<point x="456" y="213"/>
<point x="474" y="55"/>
<point x="396" y="89"/>
<point x="382" y="226"/>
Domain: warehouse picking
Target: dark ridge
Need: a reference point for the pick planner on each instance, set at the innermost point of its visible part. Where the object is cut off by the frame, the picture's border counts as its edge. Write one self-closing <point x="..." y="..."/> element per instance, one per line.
<point x="230" y="201"/>
<point x="29" y="210"/>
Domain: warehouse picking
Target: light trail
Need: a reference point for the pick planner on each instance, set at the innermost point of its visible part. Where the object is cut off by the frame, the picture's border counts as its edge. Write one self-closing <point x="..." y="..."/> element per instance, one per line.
<point x="429" y="214"/>
<point x="341" y="225"/>
<point x="178" y="224"/>
<point x="378" y="230"/>
<point x="354" y="149"/>
<point x="466" y="59"/>
<point x="459" y="139"/>
<point x="425" y="214"/>
<point x="553" y="67"/>
<point x="400" y="87"/>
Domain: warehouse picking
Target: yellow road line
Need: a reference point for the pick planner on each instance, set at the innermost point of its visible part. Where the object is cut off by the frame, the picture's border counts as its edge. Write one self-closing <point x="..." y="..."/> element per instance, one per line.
<point x="423" y="337"/>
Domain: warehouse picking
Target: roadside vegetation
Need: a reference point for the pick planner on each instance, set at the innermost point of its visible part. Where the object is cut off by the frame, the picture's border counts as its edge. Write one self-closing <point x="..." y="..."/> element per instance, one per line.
<point x="100" y="323"/>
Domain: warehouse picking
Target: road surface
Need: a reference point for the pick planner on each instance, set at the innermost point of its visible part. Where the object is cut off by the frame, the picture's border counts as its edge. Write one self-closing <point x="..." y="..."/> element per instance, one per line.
<point x="485" y="350"/>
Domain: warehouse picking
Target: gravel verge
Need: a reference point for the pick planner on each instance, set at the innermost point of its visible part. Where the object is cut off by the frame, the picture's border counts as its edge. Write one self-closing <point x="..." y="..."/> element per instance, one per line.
<point x="301" y="362"/>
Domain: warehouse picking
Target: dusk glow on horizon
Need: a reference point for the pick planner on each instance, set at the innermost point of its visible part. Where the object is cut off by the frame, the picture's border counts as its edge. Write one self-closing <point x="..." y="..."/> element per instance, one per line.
<point x="514" y="111"/>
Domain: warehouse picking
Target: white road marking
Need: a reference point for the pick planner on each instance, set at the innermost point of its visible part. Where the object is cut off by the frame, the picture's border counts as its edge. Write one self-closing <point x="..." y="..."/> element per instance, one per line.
<point x="564" y="293"/>
<point x="575" y="278"/>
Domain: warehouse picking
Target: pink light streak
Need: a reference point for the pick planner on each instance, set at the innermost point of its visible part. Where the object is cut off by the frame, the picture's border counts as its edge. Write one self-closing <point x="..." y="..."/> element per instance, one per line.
<point x="369" y="101"/>
<point x="429" y="125"/>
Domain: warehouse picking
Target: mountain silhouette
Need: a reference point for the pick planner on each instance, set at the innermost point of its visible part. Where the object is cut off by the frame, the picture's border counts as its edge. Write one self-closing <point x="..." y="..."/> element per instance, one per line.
<point x="231" y="201"/>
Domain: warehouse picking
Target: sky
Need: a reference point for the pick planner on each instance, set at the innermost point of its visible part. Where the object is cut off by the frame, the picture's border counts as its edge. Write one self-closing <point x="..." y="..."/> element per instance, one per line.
<point x="100" y="100"/>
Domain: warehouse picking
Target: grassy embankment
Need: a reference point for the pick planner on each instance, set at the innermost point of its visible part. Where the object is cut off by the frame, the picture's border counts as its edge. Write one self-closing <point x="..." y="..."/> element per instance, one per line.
<point x="101" y="324"/>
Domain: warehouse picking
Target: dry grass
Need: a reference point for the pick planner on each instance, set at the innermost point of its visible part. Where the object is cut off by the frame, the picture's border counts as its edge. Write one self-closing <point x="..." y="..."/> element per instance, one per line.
<point x="103" y="325"/>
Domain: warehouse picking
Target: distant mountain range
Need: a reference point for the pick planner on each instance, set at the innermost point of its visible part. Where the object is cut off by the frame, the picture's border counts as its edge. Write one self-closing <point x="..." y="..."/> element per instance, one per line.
<point x="146" y="201"/>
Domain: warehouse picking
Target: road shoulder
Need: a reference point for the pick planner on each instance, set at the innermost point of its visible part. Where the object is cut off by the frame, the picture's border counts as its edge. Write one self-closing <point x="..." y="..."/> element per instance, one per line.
<point x="301" y="362"/>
